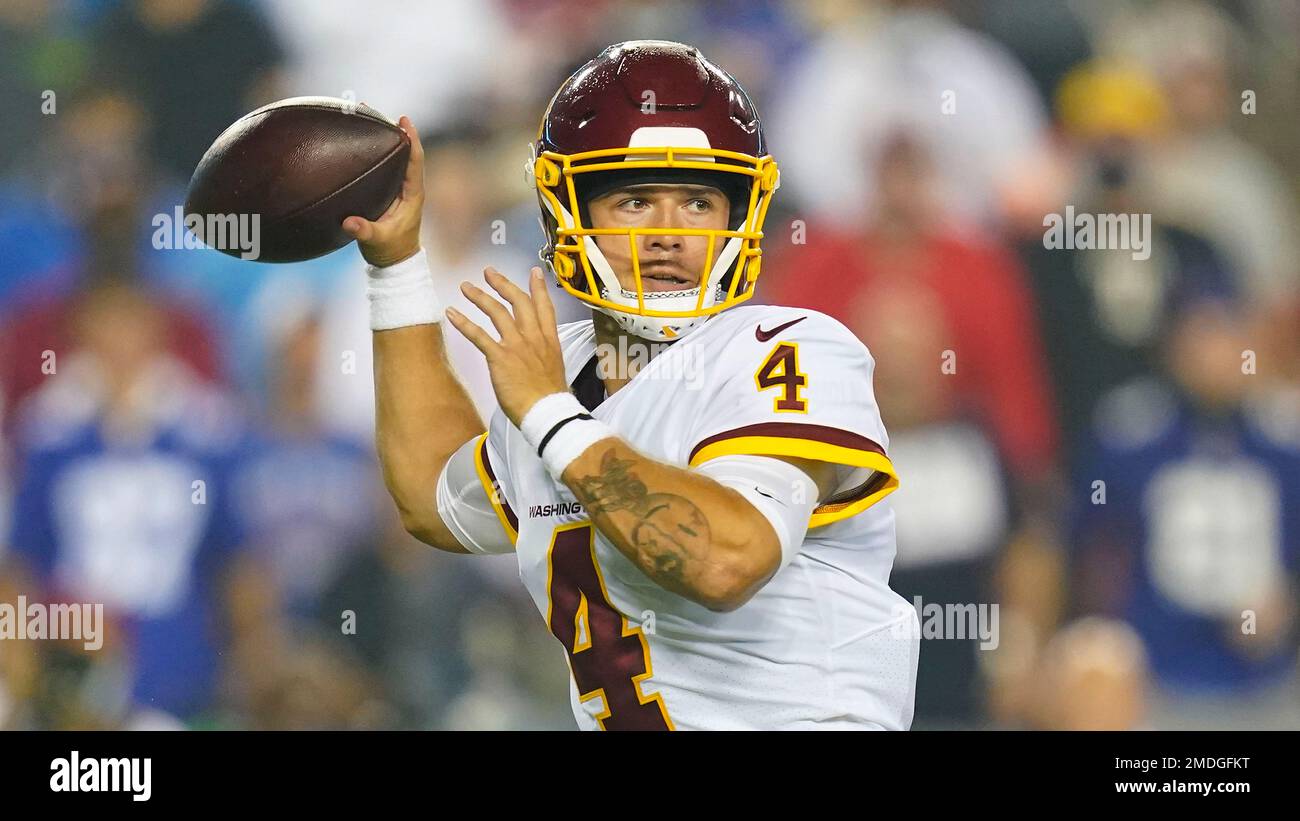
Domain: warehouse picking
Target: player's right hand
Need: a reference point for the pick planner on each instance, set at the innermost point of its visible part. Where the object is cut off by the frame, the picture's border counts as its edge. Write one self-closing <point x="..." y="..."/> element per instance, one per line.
<point x="395" y="235"/>
<point x="526" y="363"/>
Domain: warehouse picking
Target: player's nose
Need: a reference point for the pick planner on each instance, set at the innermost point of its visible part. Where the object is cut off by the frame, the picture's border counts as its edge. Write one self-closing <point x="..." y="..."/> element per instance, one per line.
<point x="666" y="218"/>
<point x="663" y="242"/>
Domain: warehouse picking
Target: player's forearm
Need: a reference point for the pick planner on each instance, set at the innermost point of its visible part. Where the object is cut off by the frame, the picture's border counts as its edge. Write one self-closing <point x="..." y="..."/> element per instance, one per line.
<point x="688" y="533"/>
<point x="423" y="414"/>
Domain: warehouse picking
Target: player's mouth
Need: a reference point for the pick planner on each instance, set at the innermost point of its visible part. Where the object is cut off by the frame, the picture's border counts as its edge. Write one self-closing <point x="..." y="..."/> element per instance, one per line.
<point x="664" y="276"/>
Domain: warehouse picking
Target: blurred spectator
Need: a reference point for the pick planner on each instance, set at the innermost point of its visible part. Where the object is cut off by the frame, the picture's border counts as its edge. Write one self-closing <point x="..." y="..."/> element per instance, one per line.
<point x="38" y="330"/>
<point x="430" y="61"/>
<point x="464" y="232"/>
<point x="43" y="266"/>
<point x="988" y="347"/>
<point x="758" y="41"/>
<point x="954" y="335"/>
<point x="1048" y="39"/>
<point x="953" y="512"/>
<point x="92" y="162"/>
<point x="121" y="496"/>
<point x="6" y="472"/>
<point x="1189" y="524"/>
<point x="516" y="681"/>
<point x="537" y="65"/>
<point x="44" y="54"/>
<point x="316" y="685"/>
<point x="1106" y="311"/>
<point x="910" y="68"/>
<point x="1204" y="177"/>
<point x="1094" y="677"/>
<point x="195" y="65"/>
<point x="20" y="662"/>
<point x="301" y="496"/>
<point x="487" y="637"/>
<point x="89" y="216"/>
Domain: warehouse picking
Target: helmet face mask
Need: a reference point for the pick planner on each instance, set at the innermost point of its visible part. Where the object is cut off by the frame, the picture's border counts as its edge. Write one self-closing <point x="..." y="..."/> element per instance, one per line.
<point x="666" y="143"/>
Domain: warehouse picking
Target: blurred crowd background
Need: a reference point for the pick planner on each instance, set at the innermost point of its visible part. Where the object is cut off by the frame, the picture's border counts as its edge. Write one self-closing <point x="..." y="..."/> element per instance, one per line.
<point x="1107" y="448"/>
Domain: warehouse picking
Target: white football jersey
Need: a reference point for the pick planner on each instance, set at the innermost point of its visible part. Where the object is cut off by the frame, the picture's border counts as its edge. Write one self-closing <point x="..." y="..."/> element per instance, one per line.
<point x="825" y="643"/>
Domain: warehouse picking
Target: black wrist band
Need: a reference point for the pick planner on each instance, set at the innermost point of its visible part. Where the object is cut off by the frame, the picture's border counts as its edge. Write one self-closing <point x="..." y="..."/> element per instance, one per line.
<point x="556" y="428"/>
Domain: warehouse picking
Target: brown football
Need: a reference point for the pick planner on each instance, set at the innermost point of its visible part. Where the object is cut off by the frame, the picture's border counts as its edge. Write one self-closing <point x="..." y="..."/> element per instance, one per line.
<point x="289" y="173"/>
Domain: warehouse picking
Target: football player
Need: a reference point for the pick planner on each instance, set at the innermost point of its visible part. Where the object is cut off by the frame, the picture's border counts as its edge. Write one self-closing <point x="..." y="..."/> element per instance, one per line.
<point x="692" y="488"/>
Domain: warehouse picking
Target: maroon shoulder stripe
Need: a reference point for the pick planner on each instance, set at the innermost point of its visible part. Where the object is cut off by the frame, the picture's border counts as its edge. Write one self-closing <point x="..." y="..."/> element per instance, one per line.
<point x="794" y="430"/>
<point x="501" y="495"/>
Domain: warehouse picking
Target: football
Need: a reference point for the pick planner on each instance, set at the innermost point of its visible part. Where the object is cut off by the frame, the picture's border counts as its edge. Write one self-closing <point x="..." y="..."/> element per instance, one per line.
<point x="290" y="172"/>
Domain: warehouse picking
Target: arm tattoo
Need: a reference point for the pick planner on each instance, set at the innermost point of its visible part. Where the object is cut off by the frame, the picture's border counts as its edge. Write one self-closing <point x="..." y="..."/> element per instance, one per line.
<point x="613" y="488"/>
<point x="670" y="533"/>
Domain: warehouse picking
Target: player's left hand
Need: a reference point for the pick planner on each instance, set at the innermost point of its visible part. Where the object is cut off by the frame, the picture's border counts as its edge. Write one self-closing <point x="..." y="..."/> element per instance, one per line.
<point x="526" y="364"/>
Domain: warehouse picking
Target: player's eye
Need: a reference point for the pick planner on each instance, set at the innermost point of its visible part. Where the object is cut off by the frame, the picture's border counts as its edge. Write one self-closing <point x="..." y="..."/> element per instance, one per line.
<point x="633" y="204"/>
<point x="700" y="205"/>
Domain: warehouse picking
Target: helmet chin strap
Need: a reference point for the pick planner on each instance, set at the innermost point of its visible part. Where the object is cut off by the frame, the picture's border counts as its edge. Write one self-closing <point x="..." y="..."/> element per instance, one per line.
<point x="659" y="327"/>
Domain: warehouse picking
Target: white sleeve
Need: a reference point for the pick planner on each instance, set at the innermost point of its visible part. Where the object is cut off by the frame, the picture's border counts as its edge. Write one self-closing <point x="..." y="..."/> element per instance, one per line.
<point x="471" y="502"/>
<point x="783" y="493"/>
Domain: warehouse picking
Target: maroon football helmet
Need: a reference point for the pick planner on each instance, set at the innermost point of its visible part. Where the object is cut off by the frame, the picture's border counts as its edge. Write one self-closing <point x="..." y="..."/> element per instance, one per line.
<point x="651" y="111"/>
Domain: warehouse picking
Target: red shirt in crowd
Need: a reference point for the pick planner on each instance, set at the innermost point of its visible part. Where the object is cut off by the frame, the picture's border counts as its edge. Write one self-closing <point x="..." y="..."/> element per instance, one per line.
<point x="982" y="291"/>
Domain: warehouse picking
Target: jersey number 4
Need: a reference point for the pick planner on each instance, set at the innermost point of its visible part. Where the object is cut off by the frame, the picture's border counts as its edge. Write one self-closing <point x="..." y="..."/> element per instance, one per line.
<point x="781" y="370"/>
<point x="609" y="657"/>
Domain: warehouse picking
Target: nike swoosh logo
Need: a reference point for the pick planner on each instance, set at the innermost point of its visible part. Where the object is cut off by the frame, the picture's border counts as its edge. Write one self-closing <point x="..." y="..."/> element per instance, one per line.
<point x="763" y="335"/>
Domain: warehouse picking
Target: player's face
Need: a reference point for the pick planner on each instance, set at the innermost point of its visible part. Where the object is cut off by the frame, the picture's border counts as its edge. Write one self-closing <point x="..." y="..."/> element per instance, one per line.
<point x="668" y="262"/>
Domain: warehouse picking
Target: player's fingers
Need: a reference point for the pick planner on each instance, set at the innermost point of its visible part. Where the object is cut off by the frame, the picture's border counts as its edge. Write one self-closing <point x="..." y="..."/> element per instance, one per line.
<point x="359" y="228"/>
<point x="542" y="302"/>
<point x="501" y="318"/>
<point x="413" y="182"/>
<point x="480" y="338"/>
<point x="524" y="312"/>
<point x="417" y="148"/>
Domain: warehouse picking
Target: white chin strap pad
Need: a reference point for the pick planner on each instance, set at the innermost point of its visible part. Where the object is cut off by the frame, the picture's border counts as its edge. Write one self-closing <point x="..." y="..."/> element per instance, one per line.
<point x="659" y="327"/>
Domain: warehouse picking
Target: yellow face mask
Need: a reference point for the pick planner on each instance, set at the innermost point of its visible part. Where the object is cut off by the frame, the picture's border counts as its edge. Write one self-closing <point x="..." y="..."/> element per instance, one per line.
<point x="732" y="260"/>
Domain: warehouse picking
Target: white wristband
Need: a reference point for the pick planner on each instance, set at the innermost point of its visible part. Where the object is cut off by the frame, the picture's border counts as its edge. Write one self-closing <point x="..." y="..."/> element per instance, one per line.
<point x="561" y="429"/>
<point x="402" y="294"/>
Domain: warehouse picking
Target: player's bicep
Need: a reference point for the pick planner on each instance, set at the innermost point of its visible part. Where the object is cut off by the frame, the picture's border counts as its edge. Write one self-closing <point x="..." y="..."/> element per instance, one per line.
<point x="471" y="503"/>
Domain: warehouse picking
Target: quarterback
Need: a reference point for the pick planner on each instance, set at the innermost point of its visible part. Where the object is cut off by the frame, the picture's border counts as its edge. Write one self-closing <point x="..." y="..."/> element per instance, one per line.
<point x="711" y="552"/>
